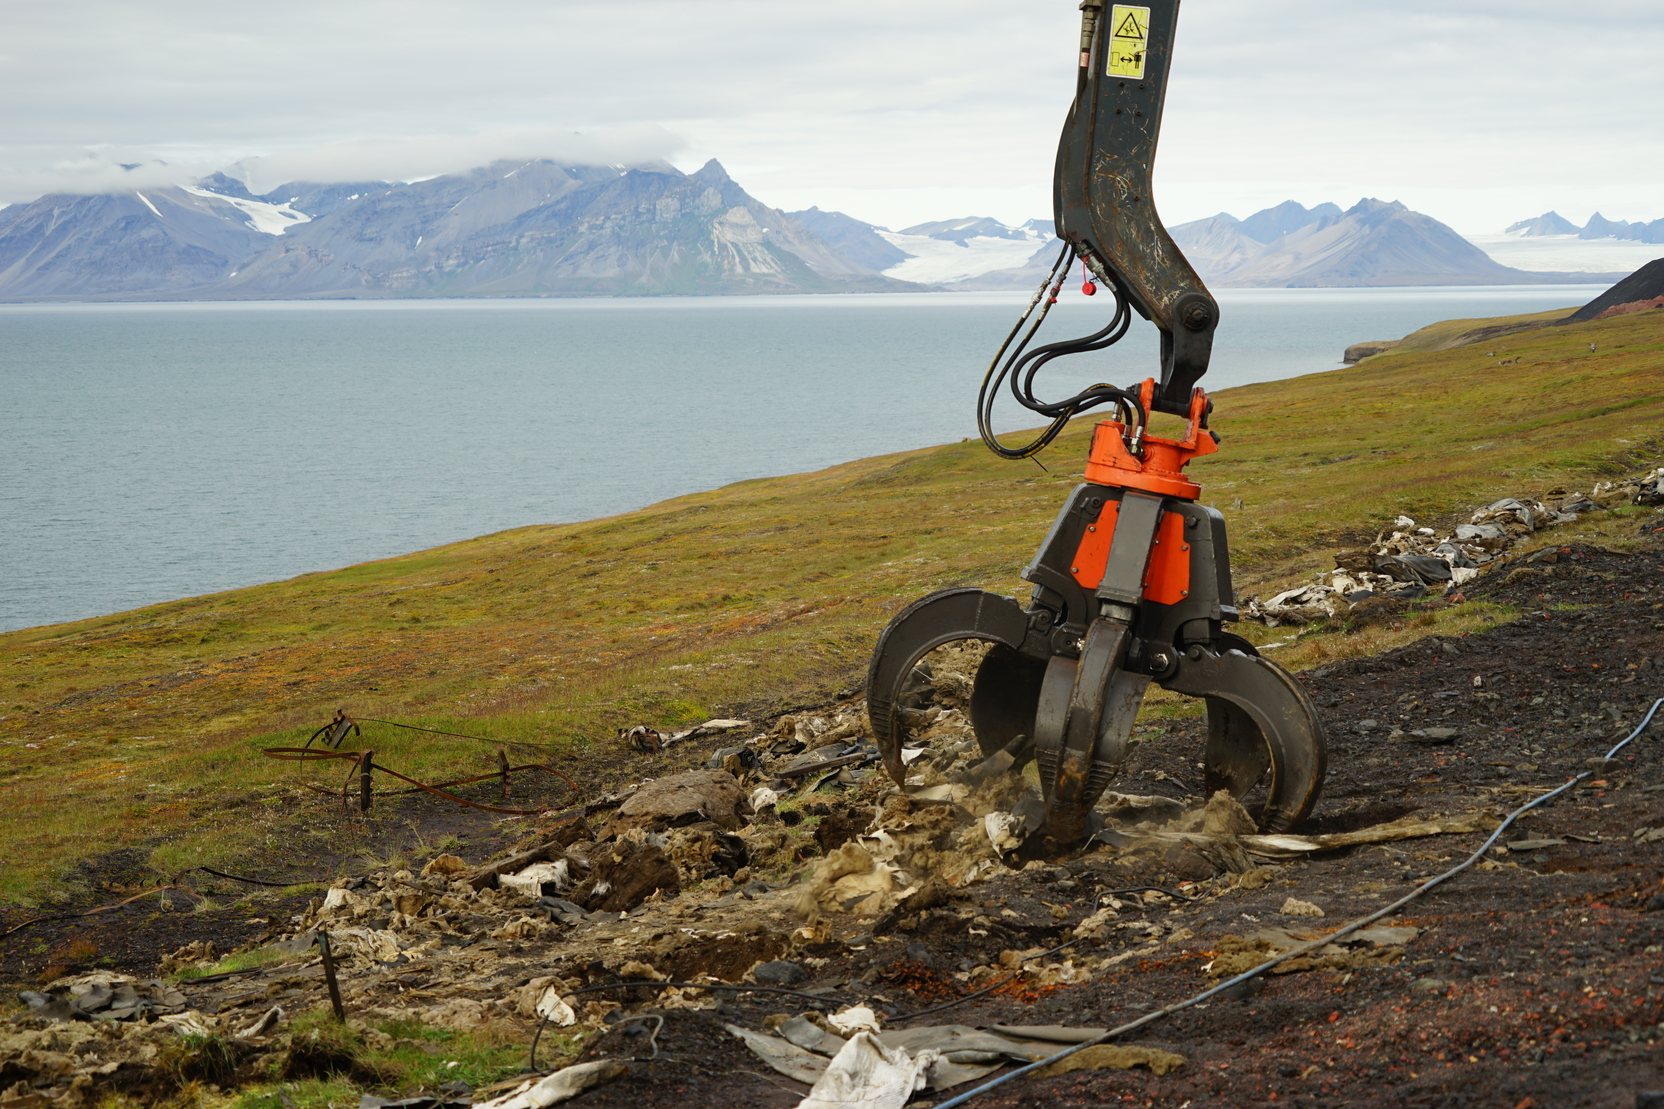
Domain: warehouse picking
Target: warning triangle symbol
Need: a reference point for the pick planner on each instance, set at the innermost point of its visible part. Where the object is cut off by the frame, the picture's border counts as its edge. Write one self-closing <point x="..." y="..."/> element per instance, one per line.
<point x="1129" y="28"/>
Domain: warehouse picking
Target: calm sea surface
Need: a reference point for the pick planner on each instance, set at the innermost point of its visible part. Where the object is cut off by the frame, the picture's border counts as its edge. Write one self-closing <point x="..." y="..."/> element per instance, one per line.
<point x="156" y="451"/>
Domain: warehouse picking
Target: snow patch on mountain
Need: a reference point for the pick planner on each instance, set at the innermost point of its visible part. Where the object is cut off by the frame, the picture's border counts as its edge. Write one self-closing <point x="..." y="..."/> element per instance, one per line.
<point x="268" y="219"/>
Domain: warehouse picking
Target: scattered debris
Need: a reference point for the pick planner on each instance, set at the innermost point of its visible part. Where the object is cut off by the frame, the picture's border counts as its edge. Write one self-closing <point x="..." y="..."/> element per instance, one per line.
<point x="563" y="1085"/>
<point x="1408" y="563"/>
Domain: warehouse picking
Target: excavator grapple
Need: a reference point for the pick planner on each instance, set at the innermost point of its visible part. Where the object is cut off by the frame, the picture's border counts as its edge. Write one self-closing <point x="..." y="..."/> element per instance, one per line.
<point x="1132" y="585"/>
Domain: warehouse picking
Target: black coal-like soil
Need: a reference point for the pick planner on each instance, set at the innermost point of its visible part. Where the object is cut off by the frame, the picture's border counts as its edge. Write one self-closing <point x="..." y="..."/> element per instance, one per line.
<point x="1537" y="978"/>
<point x="1644" y="284"/>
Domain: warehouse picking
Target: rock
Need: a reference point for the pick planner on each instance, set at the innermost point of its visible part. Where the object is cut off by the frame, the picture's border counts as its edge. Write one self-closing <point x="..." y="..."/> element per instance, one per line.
<point x="1431" y="737"/>
<point x="681" y="799"/>
<point x="779" y="972"/>
<point x="444" y="866"/>
<point x="624" y="874"/>
<point x="1295" y="907"/>
<point x="197" y="952"/>
<point x="1427" y="985"/>
<point x="1413" y="569"/>
<point x="1357" y="352"/>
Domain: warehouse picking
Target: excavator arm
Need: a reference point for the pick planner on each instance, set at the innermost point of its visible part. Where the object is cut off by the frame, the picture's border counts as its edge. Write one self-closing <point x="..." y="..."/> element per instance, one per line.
<point x="1101" y="191"/>
<point x="1133" y="584"/>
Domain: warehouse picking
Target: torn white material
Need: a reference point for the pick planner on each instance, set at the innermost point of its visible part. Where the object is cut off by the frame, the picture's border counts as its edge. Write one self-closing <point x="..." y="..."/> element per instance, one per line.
<point x="788" y="1058"/>
<point x="553" y="1008"/>
<point x="856" y="1018"/>
<point x="268" y="1021"/>
<point x="868" y="1075"/>
<point x="1004" y="831"/>
<point x="529" y="882"/>
<point x="561" y="1086"/>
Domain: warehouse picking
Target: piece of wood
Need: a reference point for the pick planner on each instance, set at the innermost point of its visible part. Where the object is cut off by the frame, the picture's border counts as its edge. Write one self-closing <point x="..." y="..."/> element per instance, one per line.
<point x="366" y="764"/>
<point x="560" y="837"/>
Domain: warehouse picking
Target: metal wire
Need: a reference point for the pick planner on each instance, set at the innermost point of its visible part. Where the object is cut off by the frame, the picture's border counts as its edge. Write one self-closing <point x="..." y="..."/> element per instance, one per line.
<point x="1312" y="945"/>
<point x="305" y="754"/>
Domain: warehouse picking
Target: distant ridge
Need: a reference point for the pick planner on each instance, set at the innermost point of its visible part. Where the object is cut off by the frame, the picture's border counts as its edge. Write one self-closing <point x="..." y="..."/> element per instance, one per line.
<point x="1598" y="227"/>
<point x="1549" y="223"/>
<point x="1373" y="243"/>
<point x="535" y="228"/>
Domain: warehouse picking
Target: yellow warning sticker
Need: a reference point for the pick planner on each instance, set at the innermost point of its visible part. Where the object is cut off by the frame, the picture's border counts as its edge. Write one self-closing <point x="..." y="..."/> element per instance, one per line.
<point x="1129" y="40"/>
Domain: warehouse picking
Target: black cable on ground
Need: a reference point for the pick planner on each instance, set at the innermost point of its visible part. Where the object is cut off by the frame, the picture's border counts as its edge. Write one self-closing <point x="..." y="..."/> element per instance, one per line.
<point x="250" y="881"/>
<point x="1311" y="945"/>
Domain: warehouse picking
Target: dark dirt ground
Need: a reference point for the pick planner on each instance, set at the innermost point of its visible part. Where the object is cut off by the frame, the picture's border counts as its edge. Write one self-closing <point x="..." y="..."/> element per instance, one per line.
<point x="1537" y="978"/>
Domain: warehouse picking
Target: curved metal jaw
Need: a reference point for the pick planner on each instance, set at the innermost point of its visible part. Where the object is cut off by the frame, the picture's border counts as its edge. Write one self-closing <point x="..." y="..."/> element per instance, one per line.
<point x="1261" y="727"/>
<point x="920" y="628"/>
<point x="1265" y="745"/>
<point x="1083" y="720"/>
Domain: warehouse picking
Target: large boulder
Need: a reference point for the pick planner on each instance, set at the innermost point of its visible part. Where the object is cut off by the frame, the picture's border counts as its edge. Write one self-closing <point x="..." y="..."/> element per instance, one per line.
<point x="692" y="797"/>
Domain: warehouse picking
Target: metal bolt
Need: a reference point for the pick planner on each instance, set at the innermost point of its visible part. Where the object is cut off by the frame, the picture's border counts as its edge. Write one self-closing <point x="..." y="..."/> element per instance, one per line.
<point x="1197" y="316"/>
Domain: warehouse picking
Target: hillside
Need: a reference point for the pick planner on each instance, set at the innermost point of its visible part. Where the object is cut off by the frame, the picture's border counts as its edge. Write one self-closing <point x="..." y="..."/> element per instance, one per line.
<point x="760" y="591"/>
<point x="170" y="891"/>
<point x="509" y="229"/>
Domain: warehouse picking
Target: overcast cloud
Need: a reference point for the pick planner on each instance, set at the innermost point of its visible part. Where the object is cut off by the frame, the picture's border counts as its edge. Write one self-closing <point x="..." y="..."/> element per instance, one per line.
<point x="1478" y="112"/>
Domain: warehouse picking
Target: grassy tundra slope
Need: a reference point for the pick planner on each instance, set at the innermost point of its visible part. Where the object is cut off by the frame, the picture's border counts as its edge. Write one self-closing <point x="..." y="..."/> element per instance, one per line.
<point x="128" y="730"/>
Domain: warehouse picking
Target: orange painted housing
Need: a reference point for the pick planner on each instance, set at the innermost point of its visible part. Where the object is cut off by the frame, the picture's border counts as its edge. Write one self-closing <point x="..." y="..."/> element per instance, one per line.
<point x="1108" y="462"/>
<point x="1166" y="574"/>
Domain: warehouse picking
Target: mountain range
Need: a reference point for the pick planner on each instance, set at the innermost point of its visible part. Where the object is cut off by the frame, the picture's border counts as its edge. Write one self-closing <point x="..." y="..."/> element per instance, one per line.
<point x="509" y="229"/>
<point x="1372" y="243"/>
<point x="1598" y="227"/>
<point x="542" y="228"/>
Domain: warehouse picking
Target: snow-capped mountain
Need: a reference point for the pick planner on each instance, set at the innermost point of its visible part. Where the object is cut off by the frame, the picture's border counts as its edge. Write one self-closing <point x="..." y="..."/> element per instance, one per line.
<point x="534" y="228"/>
<point x="1552" y="242"/>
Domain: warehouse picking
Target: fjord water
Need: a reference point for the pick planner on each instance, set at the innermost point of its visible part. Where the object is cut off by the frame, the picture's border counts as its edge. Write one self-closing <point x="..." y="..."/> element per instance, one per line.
<point x="156" y="451"/>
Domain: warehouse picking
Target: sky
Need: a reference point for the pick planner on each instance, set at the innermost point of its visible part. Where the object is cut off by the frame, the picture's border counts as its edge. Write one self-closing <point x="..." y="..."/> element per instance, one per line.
<point x="1477" y="112"/>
